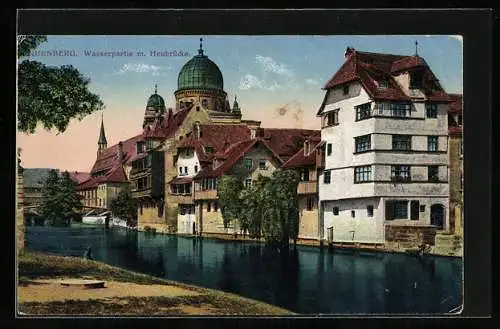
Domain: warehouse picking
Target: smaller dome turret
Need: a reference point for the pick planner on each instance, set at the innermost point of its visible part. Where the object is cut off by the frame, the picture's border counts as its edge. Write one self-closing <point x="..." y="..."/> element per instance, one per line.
<point x="155" y="100"/>
<point x="155" y="107"/>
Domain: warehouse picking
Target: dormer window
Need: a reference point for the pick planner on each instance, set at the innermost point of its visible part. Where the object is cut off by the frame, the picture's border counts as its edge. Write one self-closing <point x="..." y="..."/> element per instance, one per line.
<point x="416" y="78"/>
<point x="383" y="83"/>
<point x="140" y="147"/>
<point x="345" y="89"/>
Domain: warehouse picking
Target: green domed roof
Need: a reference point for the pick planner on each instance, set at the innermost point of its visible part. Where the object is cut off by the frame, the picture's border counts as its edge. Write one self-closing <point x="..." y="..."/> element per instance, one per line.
<point x="200" y="73"/>
<point x="156" y="101"/>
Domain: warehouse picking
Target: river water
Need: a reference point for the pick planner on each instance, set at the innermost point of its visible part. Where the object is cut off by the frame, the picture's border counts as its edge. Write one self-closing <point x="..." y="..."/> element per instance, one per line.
<point x="306" y="281"/>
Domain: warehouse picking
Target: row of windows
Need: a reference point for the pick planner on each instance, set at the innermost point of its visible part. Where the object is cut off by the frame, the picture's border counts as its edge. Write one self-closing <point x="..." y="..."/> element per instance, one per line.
<point x="394" y="109"/>
<point x="208" y="184"/>
<point x="248" y="163"/>
<point x="399" y="173"/>
<point x="181" y="188"/>
<point x="395" y="209"/>
<point x="399" y="142"/>
<point x="143" y="163"/>
<point x="183" y="171"/>
<point x="369" y="211"/>
<point x="143" y="183"/>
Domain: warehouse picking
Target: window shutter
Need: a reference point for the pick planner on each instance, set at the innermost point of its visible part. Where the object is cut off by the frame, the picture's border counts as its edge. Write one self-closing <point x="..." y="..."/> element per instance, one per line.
<point x="389" y="210"/>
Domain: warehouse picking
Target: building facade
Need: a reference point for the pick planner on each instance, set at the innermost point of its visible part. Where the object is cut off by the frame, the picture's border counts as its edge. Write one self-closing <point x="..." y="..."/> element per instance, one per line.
<point x="242" y="150"/>
<point x="174" y="164"/>
<point x="456" y="154"/>
<point x="385" y="129"/>
<point x="109" y="174"/>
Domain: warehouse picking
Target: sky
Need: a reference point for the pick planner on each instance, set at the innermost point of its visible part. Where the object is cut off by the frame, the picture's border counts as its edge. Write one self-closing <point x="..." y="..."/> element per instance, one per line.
<point x="264" y="72"/>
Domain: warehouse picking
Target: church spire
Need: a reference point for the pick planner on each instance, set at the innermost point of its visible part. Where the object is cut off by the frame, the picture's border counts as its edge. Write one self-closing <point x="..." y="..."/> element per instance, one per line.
<point x="102" y="144"/>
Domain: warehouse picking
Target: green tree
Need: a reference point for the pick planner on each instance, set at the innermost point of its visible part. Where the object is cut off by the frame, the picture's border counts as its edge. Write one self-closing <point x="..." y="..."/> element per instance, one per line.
<point x="229" y="189"/>
<point x="124" y="206"/>
<point x="60" y="200"/>
<point x="269" y="209"/>
<point x="50" y="95"/>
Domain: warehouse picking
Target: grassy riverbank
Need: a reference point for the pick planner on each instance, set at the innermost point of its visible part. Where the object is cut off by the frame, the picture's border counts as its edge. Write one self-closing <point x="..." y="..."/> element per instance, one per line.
<point x="125" y="294"/>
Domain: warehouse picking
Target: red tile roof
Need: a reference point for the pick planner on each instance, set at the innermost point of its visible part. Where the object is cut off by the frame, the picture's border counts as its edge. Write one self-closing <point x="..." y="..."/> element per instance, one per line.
<point x="286" y="142"/>
<point x="181" y="180"/>
<point x="300" y="159"/>
<point x="115" y="175"/>
<point x="79" y="177"/>
<point x="108" y="158"/>
<point x="230" y="142"/>
<point x="167" y="125"/>
<point x="368" y="68"/>
<point x="456" y="103"/>
<point x="233" y="154"/>
<point x="408" y="62"/>
<point x="455" y="108"/>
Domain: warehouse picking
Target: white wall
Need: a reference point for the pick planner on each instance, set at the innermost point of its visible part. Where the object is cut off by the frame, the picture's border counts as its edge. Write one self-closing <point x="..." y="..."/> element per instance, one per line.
<point x="366" y="229"/>
<point x="372" y="229"/>
<point x="188" y="161"/>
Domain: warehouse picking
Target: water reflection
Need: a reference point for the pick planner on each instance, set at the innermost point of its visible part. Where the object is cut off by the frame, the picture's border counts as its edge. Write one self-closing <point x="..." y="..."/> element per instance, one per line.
<point x="304" y="279"/>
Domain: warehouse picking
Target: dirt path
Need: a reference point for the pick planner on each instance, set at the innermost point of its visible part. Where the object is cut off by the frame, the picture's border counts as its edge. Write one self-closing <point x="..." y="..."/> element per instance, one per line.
<point x="51" y="290"/>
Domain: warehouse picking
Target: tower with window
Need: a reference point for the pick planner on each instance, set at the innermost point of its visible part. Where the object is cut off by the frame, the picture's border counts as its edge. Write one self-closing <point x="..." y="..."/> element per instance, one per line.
<point x="388" y="165"/>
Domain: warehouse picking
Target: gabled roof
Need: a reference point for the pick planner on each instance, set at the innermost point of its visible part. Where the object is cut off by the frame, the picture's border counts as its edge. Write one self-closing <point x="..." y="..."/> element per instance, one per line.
<point x="233" y="155"/>
<point x="286" y="142"/>
<point x="217" y="136"/>
<point x="167" y="125"/>
<point x="115" y="175"/>
<point x="300" y="159"/>
<point x="108" y="158"/>
<point x="370" y="68"/>
<point x="79" y="177"/>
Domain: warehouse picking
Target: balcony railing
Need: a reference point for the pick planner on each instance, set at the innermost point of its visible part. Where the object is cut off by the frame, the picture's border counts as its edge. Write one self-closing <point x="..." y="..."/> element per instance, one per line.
<point x="206" y="195"/>
<point x="136" y="193"/>
<point x="308" y="187"/>
<point x="181" y="198"/>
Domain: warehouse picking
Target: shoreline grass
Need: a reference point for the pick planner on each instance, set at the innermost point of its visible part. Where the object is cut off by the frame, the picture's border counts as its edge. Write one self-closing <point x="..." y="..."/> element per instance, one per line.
<point x="36" y="265"/>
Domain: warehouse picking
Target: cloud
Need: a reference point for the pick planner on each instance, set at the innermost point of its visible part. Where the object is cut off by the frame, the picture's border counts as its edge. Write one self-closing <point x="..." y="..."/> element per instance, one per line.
<point x="250" y="81"/>
<point x="311" y="81"/>
<point x="270" y="65"/>
<point x="140" y="68"/>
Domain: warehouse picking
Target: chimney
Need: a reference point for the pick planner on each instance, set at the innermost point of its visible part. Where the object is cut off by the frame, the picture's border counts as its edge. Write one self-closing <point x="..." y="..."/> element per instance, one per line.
<point x="306" y="147"/>
<point x="349" y="50"/>
<point x="119" y="152"/>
